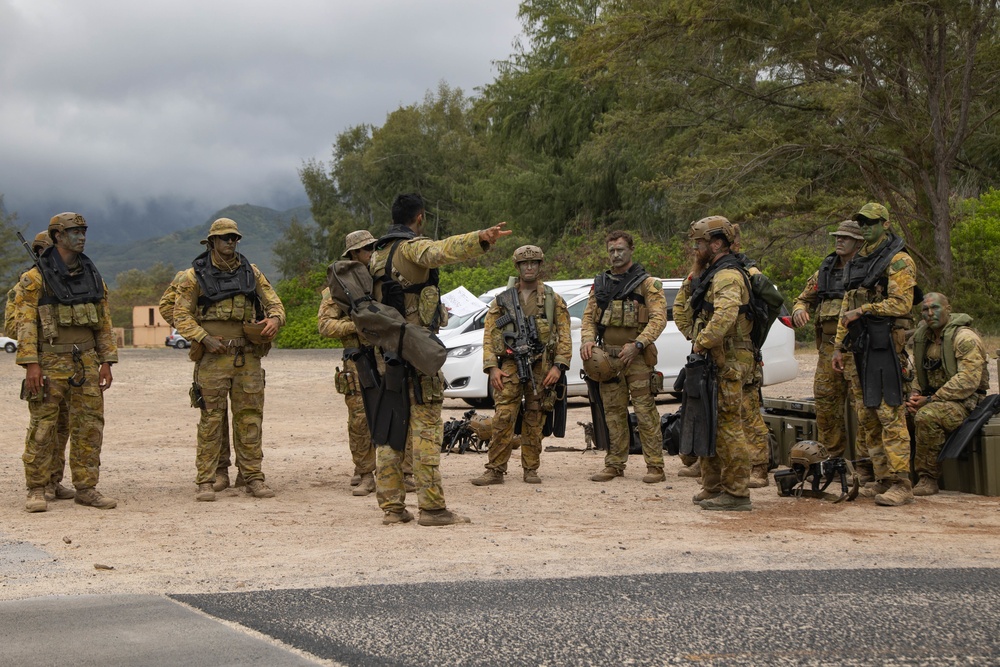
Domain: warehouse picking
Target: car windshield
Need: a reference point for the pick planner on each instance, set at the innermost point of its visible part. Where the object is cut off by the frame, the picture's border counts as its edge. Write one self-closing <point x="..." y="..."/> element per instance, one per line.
<point x="455" y="321"/>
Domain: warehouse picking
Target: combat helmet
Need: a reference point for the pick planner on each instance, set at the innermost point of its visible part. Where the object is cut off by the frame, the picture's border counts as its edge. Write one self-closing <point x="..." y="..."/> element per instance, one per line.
<point x="807" y="453"/>
<point x="64" y="221"/>
<point x="356" y="240"/>
<point x="599" y="367"/>
<point x="714" y="225"/>
<point x="41" y="242"/>
<point x="221" y="227"/>
<point x="528" y="253"/>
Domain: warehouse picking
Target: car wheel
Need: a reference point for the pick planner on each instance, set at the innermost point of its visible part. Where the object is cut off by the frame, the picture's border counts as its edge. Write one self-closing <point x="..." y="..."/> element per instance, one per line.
<point x="182" y="345"/>
<point x="10" y="347"/>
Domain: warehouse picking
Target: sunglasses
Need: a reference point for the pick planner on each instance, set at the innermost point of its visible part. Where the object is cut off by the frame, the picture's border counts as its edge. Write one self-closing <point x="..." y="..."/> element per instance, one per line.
<point x="228" y="238"/>
<point x="869" y="222"/>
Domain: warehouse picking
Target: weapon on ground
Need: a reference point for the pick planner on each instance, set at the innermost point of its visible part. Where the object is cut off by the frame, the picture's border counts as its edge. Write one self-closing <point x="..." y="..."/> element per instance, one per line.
<point x="459" y="436"/>
<point x="792" y="482"/>
<point x="522" y="344"/>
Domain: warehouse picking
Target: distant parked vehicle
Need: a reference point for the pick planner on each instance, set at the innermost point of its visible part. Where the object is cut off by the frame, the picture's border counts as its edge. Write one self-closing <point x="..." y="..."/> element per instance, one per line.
<point x="177" y="341"/>
<point x="9" y="344"/>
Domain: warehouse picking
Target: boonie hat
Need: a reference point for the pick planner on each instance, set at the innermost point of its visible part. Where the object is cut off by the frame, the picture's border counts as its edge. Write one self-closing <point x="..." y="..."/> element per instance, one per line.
<point x="357" y="240"/>
<point x="221" y="227"/>
<point x="849" y="228"/>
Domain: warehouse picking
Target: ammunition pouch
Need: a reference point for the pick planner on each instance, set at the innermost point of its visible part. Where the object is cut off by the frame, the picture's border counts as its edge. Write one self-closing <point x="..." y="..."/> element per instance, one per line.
<point x="650" y="355"/>
<point x="197" y="351"/>
<point x="252" y="331"/>
<point x="655" y="383"/>
<point x="197" y="399"/>
<point x="346" y="382"/>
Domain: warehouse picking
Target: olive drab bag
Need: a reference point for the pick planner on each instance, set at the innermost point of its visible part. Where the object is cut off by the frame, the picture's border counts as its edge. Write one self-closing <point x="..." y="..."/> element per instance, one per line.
<point x="350" y="286"/>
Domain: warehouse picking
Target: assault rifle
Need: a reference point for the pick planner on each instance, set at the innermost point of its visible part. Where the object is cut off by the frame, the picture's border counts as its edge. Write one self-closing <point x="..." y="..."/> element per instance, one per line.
<point x="458" y="435"/>
<point x="523" y="343"/>
<point x="31" y="253"/>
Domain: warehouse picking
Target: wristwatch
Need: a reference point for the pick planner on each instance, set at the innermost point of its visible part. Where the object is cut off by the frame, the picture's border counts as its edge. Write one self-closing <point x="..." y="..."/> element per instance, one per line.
<point x="562" y="367"/>
<point x="639" y="345"/>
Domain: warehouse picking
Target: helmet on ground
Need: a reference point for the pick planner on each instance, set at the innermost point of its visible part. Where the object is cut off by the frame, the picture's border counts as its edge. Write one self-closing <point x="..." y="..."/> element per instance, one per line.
<point x="714" y="225"/>
<point x="357" y="240"/>
<point x="221" y="227"/>
<point x="807" y="453"/>
<point x="64" y="221"/>
<point x="528" y="253"/>
<point x="599" y="367"/>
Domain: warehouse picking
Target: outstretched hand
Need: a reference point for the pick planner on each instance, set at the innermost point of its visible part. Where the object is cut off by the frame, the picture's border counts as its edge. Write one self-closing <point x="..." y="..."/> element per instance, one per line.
<point x="493" y="234"/>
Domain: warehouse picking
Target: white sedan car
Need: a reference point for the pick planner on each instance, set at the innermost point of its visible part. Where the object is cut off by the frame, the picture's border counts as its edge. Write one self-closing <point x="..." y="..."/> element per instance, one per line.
<point x="463" y="369"/>
<point x="8" y="344"/>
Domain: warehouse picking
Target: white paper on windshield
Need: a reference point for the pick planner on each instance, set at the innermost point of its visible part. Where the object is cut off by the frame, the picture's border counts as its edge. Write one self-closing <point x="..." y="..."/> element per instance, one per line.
<point x="461" y="301"/>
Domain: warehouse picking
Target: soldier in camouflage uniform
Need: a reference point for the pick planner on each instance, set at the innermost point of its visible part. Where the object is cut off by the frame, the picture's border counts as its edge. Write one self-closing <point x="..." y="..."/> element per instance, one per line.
<point x="953" y="376"/>
<point x="333" y="323"/>
<point x="719" y="298"/>
<point x="552" y="323"/>
<point x="66" y="347"/>
<point x="54" y="490"/>
<point x="891" y="296"/>
<point x="624" y="316"/>
<point x="228" y="310"/>
<point x="757" y="434"/>
<point x="823" y="295"/>
<point x="405" y="258"/>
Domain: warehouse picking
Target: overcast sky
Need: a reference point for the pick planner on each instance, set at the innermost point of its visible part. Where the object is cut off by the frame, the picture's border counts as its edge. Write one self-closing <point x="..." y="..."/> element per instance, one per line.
<point x="163" y="111"/>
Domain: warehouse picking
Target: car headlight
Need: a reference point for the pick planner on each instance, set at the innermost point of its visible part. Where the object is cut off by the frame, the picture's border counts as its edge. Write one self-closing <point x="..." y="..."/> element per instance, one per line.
<point x="464" y="350"/>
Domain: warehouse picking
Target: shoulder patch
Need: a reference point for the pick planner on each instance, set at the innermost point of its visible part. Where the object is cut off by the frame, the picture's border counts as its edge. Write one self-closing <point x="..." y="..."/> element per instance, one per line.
<point x="898" y="265"/>
<point x="657" y="285"/>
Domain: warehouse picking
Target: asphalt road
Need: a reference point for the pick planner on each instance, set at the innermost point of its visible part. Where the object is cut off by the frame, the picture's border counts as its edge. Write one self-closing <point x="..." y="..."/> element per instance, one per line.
<point x="861" y="617"/>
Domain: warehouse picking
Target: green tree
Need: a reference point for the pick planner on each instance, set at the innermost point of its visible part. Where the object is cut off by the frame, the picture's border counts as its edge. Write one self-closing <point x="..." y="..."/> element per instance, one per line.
<point x="138" y="288"/>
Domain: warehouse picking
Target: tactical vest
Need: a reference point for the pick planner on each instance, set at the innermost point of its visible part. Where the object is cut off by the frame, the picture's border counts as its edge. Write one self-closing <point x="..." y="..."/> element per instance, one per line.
<point x="545" y="304"/>
<point x="227" y="295"/>
<point x="921" y="340"/>
<point x="830" y="289"/>
<point x="701" y="309"/>
<point x="70" y="303"/>
<point x="866" y="272"/>
<point x="622" y="313"/>
<point x="409" y="288"/>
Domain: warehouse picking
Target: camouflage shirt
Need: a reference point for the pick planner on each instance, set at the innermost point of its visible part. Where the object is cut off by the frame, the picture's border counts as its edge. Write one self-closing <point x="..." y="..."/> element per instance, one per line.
<point x="683" y="317"/>
<point x="727" y="293"/>
<point x="334" y="323"/>
<point x="897" y="302"/>
<point x="26" y="296"/>
<point x="970" y="355"/>
<point x="554" y="335"/>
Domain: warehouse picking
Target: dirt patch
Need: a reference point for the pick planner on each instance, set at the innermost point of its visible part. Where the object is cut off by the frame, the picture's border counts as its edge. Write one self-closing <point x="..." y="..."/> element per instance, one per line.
<point x="315" y="533"/>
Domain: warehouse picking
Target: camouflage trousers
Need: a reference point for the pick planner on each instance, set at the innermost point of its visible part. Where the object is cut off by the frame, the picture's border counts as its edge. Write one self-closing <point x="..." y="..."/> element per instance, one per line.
<point x="933" y="423"/>
<point x="76" y="413"/>
<point x="831" y="394"/>
<point x="359" y="438"/>
<point x="729" y="469"/>
<point x="632" y="384"/>
<point x="508" y="404"/>
<point x="424" y="441"/>
<point x="224" y="385"/>
<point x="757" y="435"/>
<point x="884" y="430"/>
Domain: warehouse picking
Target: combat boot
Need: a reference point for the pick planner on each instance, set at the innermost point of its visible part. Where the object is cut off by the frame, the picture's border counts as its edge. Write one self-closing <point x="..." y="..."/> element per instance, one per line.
<point x="366" y="486"/>
<point x="258" y="489"/>
<point x="221" y="482"/>
<point x="239" y="480"/>
<point x="927" y="486"/>
<point x="206" y="492"/>
<point x="397" y="517"/>
<point x="758" y="476"/>
<point x="93" y="498"/>
<point x="872" y="489"/>
<point x="531" y="477"/>
<point x="489" y="476"/>
<point x="654" y="475"/>
<point x="36" y="500"/>
<point x="409" y="484"/>
<point x="441" y="518"/>
<point x="900" y="493"/>
<point x="704" y="495"/>
<point x="693" y="470"/>
<point x="726" y="503"/>
<point x="56" y="491"/>
<point x="356" y="479"/>
<point x="606" y="475"/>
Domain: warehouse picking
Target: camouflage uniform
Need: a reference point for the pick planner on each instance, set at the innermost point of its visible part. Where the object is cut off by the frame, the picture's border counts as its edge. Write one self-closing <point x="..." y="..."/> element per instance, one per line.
<point x="558" y="351"/>
<point x="412" y="261"/>
<point x="884" y="427"/>
<point x="831" y="390"/>
<point x="235" y="376"/>
<point x="954" y="386"/>
<point x="725" y="335"/>
<point x="757" y="435"/>
<point x="333" y="323"/>
<point x="88" y="327"/>
<point x="640" y="316"/>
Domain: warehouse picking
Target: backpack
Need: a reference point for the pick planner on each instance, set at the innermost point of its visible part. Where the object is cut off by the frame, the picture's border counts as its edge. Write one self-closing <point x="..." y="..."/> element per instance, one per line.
<point x="382" y="325"/>
<point x="766" y="302"/>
